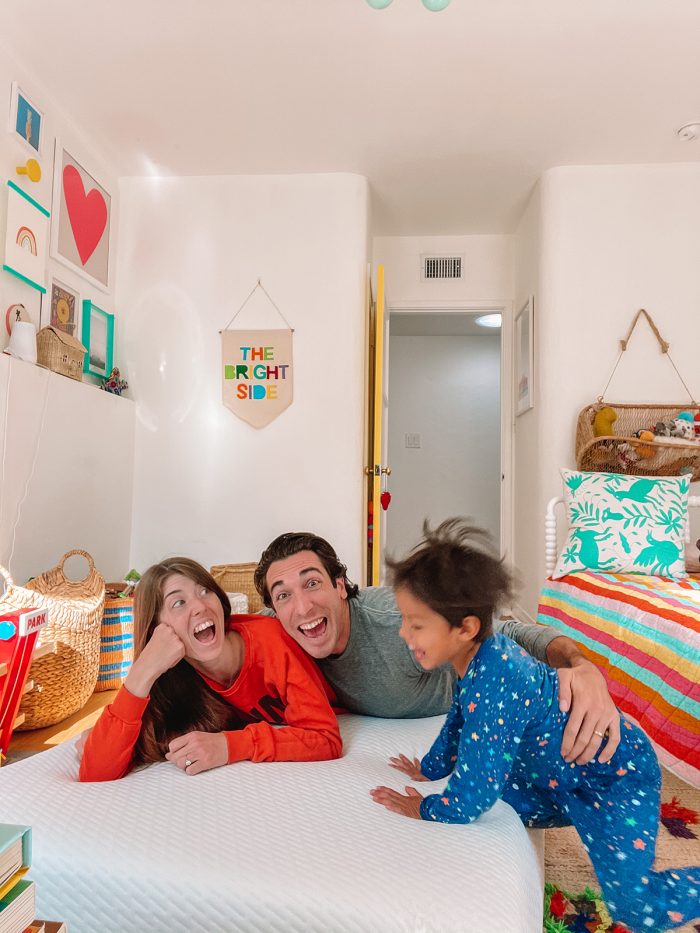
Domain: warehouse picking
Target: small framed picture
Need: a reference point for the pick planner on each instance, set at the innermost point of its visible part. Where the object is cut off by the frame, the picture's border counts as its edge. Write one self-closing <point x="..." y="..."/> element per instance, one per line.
<point x="26" y="120"/>
<point x="98" y="338"/>
<point x="26" y="238"/>
<point x="80" y="233"/>
<point x="64" y="308"/>
<point x="524" y="357"/>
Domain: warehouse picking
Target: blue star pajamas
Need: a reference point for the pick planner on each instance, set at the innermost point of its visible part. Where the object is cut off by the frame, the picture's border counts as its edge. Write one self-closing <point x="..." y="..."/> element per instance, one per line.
<point x="502" y="739"/>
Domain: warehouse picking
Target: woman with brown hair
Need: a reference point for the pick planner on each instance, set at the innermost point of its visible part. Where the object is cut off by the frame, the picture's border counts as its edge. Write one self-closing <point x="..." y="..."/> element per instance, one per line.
<point x="207" y="688"/>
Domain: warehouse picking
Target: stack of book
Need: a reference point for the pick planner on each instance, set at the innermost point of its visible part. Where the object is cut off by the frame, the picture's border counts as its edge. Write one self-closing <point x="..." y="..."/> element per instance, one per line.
<point x="17" y="895"/>
<point x="17" y="904"/>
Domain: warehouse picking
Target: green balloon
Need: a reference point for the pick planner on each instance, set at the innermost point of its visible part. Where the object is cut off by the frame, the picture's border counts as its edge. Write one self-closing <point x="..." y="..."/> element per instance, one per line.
<point x="435" y="5"/>
<point x="379" y="4"/>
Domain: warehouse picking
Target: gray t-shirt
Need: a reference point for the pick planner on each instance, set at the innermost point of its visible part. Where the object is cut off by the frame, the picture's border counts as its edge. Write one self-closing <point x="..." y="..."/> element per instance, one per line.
<point x="377" y="675"/>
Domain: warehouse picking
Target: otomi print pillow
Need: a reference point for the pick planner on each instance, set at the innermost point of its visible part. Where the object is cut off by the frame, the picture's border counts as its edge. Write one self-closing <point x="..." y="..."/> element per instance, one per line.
<point x="624" y="524"/>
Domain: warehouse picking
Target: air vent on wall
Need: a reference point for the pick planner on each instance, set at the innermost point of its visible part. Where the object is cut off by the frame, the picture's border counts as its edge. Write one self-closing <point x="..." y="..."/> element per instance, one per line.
<point x="441" y="267"/>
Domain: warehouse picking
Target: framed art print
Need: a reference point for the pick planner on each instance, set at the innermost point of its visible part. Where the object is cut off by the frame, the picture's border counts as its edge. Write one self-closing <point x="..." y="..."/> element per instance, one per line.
<point x="524" y="357"/>
<point x="26" y="120"/>
<point x="98" y="338"/>
<point x="26" y="238"/>
<point x="80" y="233"/>
<point x="64" y="309"/>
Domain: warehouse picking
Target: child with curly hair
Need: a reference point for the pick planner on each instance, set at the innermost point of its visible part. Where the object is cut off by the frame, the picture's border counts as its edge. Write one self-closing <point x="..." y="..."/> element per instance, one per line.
<point x="502" y="736"/>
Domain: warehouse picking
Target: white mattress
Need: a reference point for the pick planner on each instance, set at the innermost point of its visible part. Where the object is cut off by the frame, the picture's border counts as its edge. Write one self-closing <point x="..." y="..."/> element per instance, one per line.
<point x="294" y="847"/>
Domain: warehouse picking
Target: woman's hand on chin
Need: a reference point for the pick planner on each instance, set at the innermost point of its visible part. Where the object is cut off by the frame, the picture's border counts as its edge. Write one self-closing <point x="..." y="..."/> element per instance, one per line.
<point x="198" y="751"/>
<point x="163" y="650"/>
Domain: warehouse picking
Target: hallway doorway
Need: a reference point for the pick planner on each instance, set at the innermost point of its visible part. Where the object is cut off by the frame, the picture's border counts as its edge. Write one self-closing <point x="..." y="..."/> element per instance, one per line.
<point x="448" y="423"/>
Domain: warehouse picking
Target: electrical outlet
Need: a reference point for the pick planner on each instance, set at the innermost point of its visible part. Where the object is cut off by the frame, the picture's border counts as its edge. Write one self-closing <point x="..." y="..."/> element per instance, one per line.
<point x="412" y="440"/>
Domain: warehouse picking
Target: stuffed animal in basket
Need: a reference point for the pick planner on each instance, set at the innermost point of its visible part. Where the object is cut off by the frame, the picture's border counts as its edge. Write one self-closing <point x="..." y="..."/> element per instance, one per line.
<point x="603" y="421"/>
<point x="645" y="451"/>
<point x="114" y="383"/>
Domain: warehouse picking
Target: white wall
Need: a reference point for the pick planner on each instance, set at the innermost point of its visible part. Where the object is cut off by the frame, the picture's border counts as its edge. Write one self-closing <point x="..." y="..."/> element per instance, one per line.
<point x="487" y="268"/>
<point x="528" y="433"/>
<point x="613" y="239"/>
<point x="190" y="251"/>
<point x="447" y="390"/>
<point x="80" y="493"/>
<point x="67" y="479"/>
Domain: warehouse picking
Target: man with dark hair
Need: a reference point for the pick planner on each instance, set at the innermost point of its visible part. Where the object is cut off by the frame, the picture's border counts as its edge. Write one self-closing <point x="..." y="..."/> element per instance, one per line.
<point x="353" y="634"/>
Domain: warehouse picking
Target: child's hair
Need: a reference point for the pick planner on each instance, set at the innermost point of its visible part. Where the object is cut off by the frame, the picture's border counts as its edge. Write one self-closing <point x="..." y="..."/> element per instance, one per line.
<point x="181" y="701"/>
<point x="453" y="573"/>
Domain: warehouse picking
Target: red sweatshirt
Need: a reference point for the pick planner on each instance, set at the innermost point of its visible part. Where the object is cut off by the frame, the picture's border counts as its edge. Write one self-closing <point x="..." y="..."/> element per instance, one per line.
<point x="278" y="684"/>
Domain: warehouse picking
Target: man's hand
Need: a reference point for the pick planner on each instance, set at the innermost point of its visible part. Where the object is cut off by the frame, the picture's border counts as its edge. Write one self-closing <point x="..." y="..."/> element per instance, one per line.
<point x="582" y="690"/>
<point x="198" y="751"/>
<point x="408" y="805"/>
<point x="408" y="767"/>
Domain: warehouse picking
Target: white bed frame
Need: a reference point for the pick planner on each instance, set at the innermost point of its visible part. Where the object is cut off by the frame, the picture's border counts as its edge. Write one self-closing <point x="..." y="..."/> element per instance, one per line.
<point x="550" y="530"/>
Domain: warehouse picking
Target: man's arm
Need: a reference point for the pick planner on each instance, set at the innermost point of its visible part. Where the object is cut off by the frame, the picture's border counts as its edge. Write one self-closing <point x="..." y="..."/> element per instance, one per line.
<point x="582" y="690"/>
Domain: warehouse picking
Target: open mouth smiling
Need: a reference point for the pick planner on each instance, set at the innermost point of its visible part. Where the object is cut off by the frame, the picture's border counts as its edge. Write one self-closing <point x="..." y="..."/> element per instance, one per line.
<point x="204" y="632"/>
<point x="314" y="629"/>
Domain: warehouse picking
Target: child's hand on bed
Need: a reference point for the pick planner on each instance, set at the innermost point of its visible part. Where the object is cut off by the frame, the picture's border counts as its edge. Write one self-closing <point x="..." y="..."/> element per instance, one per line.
<point x="408" y="805"/>
<point x="594" y="716"/>
<point x="408" y="767"/>
<point x="198" y="751"/>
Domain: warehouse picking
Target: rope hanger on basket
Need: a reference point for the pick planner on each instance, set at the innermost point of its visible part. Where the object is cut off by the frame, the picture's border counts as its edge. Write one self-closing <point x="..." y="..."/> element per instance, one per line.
<point x="663" y="344"/>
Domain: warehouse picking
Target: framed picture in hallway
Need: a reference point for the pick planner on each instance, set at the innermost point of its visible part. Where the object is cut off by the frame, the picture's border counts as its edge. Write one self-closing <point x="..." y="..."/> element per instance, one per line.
<point x="524" y="357"/>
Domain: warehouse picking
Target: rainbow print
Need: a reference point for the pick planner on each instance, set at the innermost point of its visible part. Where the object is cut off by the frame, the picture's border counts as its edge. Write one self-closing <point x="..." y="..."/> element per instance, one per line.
<point x="643" y="633"/>
<point x="26" y="240"/>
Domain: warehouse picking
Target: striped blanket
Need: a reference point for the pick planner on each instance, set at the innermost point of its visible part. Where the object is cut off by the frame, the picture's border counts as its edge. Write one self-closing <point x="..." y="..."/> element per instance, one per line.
<point x="643" y="632"/>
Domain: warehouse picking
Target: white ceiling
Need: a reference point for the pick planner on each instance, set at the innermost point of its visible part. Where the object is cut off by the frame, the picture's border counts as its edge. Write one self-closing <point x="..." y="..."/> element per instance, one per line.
<point x="452" y="116"/>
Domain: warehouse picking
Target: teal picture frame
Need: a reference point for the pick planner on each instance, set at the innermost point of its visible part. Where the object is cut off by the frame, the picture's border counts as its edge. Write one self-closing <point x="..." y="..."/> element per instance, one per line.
<point x="98" y="339"/>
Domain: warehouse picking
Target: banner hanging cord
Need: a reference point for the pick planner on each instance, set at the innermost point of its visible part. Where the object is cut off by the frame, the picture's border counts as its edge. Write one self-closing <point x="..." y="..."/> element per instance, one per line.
<point x="258" y="285"/>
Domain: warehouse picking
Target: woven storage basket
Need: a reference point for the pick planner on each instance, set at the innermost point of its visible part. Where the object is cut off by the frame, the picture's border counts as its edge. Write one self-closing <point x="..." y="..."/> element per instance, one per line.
<point x="63" y="681"/>
<point x="238" y="578"/>
<point x="625" y="453"/>
<point x="60" y="352"/>
<point x="116" y="640"/>
<point x="670" y="456"/>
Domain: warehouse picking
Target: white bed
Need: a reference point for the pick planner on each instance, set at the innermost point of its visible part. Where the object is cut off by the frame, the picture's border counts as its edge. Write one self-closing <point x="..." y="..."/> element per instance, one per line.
<point x="293" y="847"/>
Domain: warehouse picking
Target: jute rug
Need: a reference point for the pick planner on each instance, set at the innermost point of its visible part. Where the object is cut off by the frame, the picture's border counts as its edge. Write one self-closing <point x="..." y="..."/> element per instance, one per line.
<point x="568" y="868"/>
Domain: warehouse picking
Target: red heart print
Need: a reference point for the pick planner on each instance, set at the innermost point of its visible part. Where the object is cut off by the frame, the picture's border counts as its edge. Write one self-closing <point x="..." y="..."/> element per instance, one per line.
<point x="87" y="213"/>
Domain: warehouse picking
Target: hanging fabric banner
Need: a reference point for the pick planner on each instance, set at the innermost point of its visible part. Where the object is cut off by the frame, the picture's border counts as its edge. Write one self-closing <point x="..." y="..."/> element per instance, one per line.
<point x="257" y="373"/>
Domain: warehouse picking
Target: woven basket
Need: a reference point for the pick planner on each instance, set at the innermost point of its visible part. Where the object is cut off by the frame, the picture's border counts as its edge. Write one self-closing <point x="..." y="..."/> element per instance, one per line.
<point x="116" y="640"/>
<point x="63" y="681"/>
<point x="611" y="454"/>
<point x="238" y="578"/>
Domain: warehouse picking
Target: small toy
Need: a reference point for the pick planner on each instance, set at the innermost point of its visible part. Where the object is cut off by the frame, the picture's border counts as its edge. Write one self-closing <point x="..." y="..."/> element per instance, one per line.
<point x="679" y="427"/>
<point x="697" y="425"/>
<point x="626" y="455"/>
<point x="603" y="422"/>
<point x="114" y="383"/>
<point x="645" y="452"/>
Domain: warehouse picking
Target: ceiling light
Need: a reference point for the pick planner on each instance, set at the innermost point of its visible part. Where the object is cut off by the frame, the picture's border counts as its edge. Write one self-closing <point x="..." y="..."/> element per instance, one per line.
<point x="433" y="5"/>
<point x="488" y="320"/>
<point x="689" y="132"/>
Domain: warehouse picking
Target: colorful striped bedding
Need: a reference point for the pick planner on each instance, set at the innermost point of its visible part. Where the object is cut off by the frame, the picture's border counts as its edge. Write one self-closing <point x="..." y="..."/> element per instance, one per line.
<point x="643" y="632"/>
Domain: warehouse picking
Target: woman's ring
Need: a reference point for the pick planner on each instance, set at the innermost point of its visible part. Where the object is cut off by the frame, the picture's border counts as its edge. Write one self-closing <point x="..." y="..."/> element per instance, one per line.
<point x="601" y="734"/>
<point x="188" y="762"/>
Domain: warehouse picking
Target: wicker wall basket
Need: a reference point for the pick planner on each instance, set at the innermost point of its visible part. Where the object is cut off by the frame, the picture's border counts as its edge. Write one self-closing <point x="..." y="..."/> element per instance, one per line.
<point x="623" y="452"/>
<point x="663" y="456"/>
<point x="63" y="681"/>
<point x="238" y="578"/>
